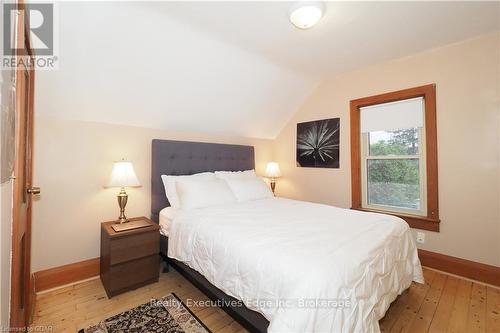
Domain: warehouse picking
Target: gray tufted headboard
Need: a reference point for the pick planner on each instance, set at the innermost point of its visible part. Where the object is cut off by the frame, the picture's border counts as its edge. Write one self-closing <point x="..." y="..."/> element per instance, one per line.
<point x="186" y="158"/>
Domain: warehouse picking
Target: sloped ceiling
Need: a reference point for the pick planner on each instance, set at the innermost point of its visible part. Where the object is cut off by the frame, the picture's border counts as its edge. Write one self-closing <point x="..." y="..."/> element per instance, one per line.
<point x="236" y="68"/>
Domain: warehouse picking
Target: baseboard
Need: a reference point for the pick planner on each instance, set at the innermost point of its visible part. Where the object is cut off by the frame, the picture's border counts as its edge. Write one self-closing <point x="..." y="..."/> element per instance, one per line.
<point x="466" y="268"/>
<point x="62" y="275"/>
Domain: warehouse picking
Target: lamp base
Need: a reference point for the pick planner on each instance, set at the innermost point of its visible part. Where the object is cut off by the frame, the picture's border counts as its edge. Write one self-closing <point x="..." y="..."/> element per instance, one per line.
<point x="122" y="202"/>
<point x="122" y="220"/>
<point x="273" y="184"/>
<point x="131" y="224"/>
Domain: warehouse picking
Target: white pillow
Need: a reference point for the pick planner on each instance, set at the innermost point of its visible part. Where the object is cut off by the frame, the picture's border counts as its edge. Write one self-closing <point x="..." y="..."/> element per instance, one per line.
<point x="198" y="193"/>
<point x="171" y="189"/>
<point x="251" y="188"/>
<point x="235" y="174"/>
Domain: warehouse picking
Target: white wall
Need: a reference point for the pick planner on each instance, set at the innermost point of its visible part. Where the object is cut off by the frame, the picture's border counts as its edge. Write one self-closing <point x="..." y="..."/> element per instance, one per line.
<point x="6" y="192"/>
<point x="1" y="252"/>
<point x="159" y="72"/>
<point x="5" y="250"/>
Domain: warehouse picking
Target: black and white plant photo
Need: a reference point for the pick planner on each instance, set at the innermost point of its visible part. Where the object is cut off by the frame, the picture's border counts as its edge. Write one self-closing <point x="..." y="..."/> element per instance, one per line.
<point x="318" y="143"/>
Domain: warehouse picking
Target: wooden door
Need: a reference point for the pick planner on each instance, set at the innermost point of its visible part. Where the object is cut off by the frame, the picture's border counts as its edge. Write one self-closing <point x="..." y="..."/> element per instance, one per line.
<point x="21" y="282"/>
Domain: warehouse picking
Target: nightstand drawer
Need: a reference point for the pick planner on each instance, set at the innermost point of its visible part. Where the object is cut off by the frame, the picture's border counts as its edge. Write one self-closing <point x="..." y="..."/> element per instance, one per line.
<point x="131" y="248"/>
<point x="134" y="273"/>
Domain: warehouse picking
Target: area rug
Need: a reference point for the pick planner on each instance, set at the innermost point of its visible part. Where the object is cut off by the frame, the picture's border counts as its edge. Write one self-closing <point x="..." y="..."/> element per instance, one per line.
<point x="164" y="315"/>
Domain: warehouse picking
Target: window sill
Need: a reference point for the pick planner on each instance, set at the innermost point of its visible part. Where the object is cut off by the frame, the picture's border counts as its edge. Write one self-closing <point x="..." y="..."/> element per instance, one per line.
<point x="417" y="222"/>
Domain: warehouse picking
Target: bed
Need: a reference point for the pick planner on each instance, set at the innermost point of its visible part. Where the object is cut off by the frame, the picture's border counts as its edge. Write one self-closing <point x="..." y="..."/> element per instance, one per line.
<point x="338" y="274"/>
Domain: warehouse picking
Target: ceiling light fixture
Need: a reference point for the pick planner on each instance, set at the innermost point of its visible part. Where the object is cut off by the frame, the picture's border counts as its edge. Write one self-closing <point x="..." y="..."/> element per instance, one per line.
<point x="306" y="14"/>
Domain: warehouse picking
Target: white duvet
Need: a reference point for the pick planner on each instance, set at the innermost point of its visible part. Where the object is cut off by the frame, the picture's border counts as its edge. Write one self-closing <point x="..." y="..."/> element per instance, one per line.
<point x="279" y="255"/>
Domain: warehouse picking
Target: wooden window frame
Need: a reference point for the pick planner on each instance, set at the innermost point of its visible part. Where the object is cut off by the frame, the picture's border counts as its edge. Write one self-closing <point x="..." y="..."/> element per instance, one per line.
<point x="428" y="92"/>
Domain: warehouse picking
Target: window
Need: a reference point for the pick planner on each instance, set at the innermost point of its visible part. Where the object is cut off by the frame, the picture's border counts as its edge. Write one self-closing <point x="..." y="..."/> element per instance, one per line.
<point x="394" y="155"/>
<point x="392" y="163"/>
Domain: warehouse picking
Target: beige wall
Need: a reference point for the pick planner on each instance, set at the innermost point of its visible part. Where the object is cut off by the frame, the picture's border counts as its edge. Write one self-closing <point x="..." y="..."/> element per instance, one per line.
<point x="466" y="76"/>
<point x="73" y="160"/>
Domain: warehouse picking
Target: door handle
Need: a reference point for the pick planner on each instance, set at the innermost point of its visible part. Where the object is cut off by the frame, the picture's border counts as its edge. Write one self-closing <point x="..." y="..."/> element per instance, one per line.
<point x="33" y="190"/>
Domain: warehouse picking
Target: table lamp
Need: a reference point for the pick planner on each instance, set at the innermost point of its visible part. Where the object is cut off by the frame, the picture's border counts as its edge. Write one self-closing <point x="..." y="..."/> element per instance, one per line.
<point x="123" y="175"/>
<point x="273" y="172"/>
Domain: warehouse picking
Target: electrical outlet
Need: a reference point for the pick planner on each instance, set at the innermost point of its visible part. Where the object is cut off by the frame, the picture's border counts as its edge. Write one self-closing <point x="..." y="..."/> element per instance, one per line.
<point x="420" y="237"/>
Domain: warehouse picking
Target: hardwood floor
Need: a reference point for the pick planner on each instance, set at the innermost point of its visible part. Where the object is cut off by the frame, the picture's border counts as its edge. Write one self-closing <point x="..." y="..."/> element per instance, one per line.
<point x="444" y="304"/>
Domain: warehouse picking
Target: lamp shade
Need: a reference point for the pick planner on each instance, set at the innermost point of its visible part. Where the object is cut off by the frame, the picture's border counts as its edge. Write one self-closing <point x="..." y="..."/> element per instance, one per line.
<point x="123" y="175"/>
<point x="273" y="170"/>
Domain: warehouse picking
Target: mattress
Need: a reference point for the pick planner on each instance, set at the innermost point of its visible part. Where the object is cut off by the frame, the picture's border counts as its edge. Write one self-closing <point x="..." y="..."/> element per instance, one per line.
<point x="305" y="267"/>
<point x="166" y="216"/>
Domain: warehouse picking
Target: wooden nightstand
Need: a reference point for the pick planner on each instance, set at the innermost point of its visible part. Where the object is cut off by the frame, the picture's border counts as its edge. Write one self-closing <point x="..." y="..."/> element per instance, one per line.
<point x="129" y="259"/>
